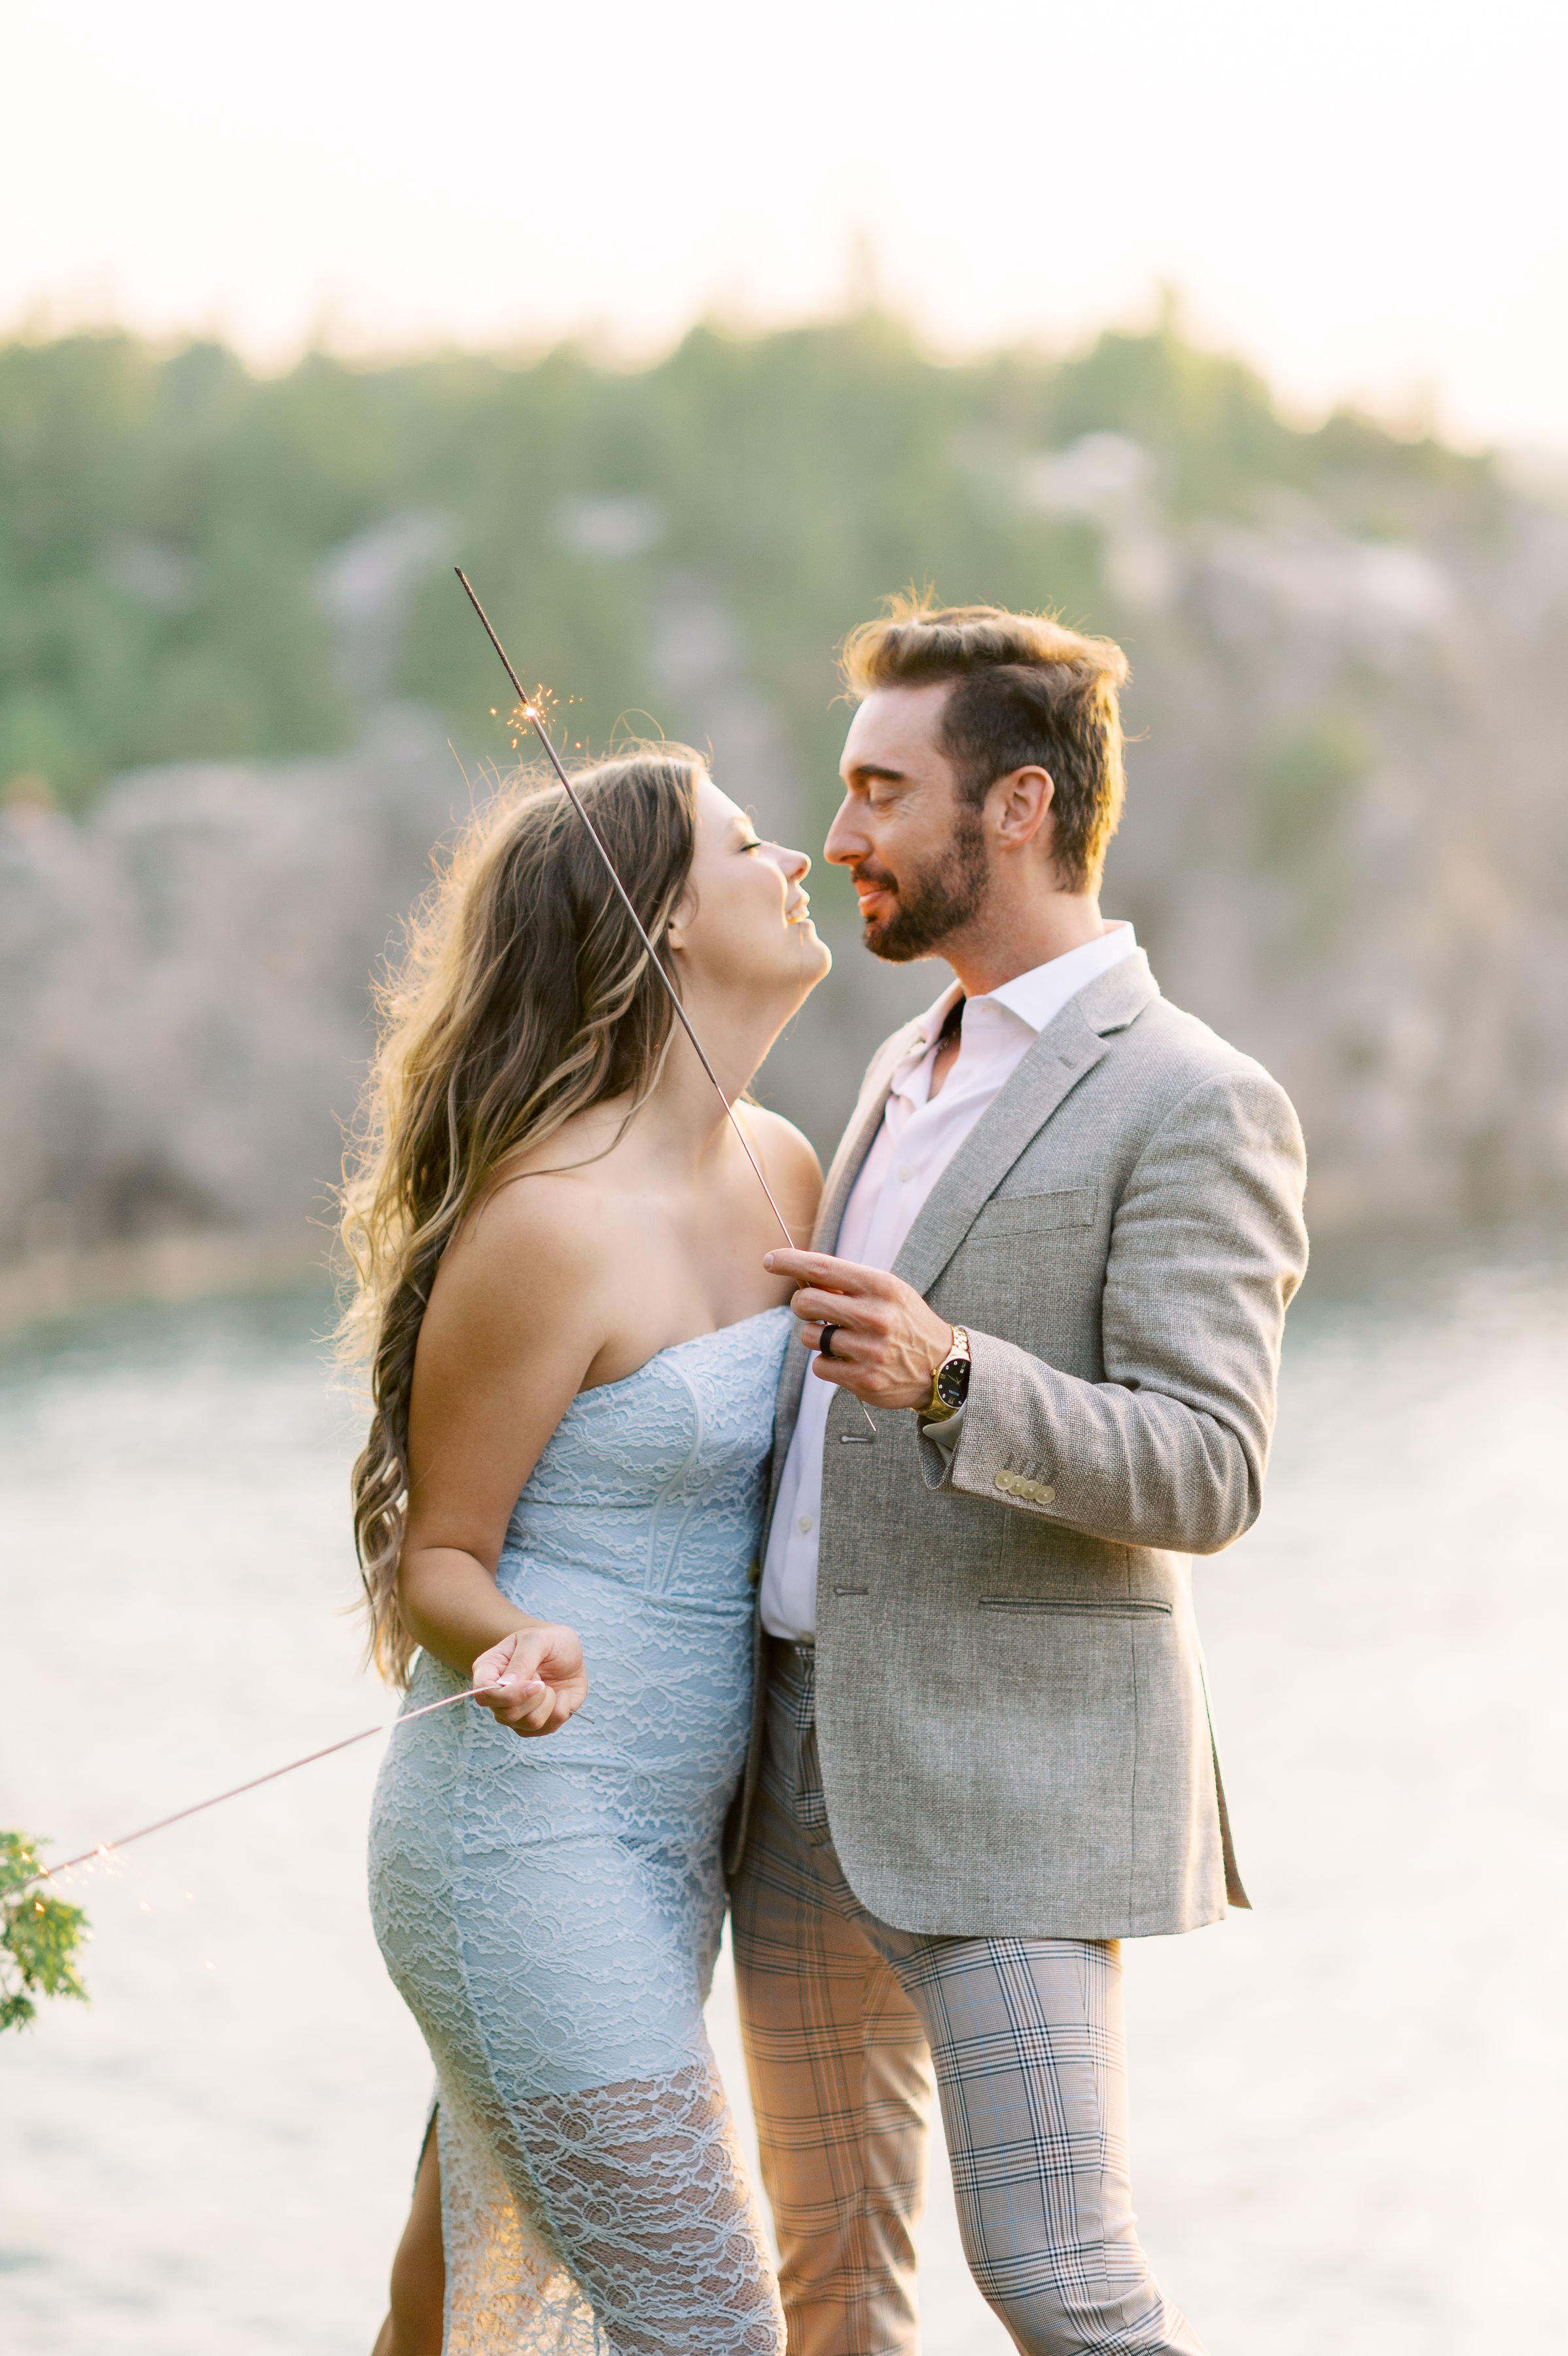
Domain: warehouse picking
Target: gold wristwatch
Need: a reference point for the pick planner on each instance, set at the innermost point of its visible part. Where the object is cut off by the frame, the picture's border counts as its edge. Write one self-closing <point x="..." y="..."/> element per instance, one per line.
<point x="949" y="1385"/>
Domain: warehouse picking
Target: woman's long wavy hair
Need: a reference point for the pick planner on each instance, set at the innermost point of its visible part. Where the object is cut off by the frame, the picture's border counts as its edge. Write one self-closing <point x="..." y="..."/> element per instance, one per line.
<point x="525" y="997"/>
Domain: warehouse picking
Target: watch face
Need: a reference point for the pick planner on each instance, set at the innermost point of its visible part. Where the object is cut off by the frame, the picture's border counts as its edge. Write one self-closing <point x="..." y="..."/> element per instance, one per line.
<point x="952" y="1382"/>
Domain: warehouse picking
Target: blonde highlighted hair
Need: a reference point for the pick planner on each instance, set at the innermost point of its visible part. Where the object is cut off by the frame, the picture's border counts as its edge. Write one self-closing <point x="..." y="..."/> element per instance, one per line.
<point x="524" y="998"/>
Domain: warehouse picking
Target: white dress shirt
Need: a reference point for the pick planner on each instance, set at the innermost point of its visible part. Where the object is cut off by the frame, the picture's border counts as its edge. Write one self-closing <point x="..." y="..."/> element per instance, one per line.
<point x="918" y="1139"/>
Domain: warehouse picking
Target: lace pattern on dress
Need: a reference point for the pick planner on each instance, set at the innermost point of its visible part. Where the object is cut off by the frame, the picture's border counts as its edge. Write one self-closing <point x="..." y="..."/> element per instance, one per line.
<point x="551" y="1910"/>
<point x="644" y="2184"/>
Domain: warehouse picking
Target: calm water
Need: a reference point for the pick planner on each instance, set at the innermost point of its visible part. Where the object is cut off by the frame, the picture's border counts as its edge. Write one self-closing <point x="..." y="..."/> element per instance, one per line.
<point x="1347" y="2106"/>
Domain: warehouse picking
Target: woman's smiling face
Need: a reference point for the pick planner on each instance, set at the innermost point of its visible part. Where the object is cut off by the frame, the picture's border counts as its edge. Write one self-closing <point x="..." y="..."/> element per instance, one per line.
<point x="744" y="922"/>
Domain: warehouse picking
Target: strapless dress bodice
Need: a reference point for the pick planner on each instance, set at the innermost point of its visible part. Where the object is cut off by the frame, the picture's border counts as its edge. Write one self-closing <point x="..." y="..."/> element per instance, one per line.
<point x="652" y="1483"/>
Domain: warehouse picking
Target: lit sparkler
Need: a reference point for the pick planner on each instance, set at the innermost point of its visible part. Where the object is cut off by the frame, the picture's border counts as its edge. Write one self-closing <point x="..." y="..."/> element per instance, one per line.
<point x="531" y="711"/>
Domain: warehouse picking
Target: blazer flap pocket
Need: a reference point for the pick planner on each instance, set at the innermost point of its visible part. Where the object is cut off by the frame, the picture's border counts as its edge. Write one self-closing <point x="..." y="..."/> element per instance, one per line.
<point x="1120" y="1607"/>
<point x="1006" y="1215"/>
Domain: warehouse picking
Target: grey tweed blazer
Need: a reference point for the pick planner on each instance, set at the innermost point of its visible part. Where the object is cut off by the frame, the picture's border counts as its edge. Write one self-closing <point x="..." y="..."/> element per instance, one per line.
<point x="1011" y="1708"/>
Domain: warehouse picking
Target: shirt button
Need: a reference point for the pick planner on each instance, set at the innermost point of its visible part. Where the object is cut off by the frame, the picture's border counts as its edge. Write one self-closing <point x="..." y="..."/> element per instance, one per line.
<point x="905" y="1174"/>
<point x="804" y="1525"/>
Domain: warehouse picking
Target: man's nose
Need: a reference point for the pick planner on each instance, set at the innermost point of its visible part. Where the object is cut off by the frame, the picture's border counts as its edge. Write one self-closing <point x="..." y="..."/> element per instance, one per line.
<point x="846" y="839"/>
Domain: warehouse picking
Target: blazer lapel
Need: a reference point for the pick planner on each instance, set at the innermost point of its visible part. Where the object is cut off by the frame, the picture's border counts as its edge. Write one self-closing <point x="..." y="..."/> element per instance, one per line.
<point x="1071" y="1043"/>
<point x="1068" y="1046"/>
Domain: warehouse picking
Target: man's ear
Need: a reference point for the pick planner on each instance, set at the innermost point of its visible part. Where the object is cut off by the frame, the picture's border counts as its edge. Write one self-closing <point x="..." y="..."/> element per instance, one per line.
<point x="1021" y="808"/>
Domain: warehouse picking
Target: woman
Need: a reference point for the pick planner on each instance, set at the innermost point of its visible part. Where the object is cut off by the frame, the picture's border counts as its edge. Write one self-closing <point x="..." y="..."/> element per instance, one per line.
<point x="575" y="1348"/>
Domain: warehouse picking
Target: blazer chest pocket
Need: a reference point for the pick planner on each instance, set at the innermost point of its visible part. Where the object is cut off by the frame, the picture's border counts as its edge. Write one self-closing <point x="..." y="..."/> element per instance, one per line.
<point x="1007" y="1218"/>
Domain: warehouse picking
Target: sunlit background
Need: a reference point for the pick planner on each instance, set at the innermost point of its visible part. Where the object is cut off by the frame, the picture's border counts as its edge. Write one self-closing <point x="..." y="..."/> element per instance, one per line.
<point x="1366" y="195"/>
<point x="1233" y="330"/>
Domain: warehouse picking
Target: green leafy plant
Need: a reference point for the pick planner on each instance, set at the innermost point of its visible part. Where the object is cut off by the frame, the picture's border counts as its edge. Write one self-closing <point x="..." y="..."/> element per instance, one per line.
<point x="39" y="1935"/>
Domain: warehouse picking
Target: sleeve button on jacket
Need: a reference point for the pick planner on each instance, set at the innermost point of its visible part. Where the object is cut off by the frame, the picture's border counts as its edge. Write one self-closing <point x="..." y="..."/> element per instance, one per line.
<point x="1039" y="1492"/>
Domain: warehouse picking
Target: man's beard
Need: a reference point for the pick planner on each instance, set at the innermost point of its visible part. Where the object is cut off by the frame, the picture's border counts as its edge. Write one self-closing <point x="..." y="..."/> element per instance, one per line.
<point x="933" y="903"/>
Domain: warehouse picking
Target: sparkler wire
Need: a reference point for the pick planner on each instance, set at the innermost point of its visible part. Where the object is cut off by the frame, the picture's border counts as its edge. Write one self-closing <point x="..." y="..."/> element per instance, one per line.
<point x="531" y="713"/>
<point x="108" y="1849"/>
<point x="534" y="715"/>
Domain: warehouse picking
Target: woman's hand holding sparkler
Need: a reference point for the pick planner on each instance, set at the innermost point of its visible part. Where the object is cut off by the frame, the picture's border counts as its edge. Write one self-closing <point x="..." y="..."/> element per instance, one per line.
<point x="535" y="1678"/>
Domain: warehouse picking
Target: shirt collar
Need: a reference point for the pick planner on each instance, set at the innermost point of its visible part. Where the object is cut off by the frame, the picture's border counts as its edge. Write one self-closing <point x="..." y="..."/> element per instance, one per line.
<point x="1041" y="993"/>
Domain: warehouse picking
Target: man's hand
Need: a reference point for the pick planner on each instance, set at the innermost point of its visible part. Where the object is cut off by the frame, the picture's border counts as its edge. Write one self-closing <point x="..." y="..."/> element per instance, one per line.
<point x="889" y="1342"/>
<point x="536" y="1678"/>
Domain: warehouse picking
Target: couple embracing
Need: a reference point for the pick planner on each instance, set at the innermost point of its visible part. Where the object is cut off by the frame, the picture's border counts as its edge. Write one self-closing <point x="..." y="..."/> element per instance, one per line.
<point x="846" y="1585"/>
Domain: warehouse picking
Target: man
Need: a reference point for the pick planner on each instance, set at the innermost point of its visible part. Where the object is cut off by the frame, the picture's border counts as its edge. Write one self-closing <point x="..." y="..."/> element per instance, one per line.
<point x="1054" y="1256"/>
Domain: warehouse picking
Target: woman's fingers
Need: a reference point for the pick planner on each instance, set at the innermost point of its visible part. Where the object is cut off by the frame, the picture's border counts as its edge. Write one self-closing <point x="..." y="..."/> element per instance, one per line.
<point x="499" y="1675"/>
<point x="515" y="1705"/>
<point x="536" y="1679"/>
<point x="492" y="1664"/>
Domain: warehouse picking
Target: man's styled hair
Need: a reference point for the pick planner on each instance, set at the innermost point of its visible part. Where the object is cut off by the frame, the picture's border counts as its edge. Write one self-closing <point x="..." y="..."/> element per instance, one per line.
<point x="1027" y="694"/>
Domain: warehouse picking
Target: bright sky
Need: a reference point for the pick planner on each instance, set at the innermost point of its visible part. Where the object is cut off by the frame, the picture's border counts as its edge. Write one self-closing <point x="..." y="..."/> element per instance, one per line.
<point x="1368" y="197"/>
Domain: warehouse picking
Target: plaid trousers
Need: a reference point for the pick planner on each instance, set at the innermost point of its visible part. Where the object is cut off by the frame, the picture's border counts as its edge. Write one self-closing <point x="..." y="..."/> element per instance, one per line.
<point x="846" y="2023"/>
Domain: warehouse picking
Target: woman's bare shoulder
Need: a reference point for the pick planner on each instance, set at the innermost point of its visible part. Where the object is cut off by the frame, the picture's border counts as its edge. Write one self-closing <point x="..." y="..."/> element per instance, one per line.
<point x="771" y="1134"/>
<point x="789" y="1160"/>
<point x="536" y="1241"/>
<point x="561" y="1210"/>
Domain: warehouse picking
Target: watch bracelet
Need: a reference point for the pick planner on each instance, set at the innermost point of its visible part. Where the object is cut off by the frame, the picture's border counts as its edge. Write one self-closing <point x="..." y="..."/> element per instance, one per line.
<point x="936" y="1408"/>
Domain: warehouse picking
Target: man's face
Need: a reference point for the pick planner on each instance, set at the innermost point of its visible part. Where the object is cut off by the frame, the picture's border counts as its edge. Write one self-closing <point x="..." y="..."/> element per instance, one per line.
<point x="916" y="851"/>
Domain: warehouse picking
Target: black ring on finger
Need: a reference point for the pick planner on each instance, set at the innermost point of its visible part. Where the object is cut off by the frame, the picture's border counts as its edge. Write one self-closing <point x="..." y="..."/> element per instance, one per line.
<point x="825" y="1346"/>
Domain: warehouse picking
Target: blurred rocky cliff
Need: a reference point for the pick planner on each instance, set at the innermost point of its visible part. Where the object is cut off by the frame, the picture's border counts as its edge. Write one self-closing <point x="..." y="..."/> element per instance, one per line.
<point x="1347" y="835"/>
<point x="1346" y="842"/>
<point x="183" y="1004"/>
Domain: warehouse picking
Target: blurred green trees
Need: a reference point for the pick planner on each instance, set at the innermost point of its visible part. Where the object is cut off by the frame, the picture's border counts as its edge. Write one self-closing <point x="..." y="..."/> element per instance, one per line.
<point x="167" y="520"/>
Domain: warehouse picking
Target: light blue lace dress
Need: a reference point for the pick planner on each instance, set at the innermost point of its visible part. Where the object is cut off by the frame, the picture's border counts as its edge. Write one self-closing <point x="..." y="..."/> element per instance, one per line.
<point x="551" y="1910"/>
